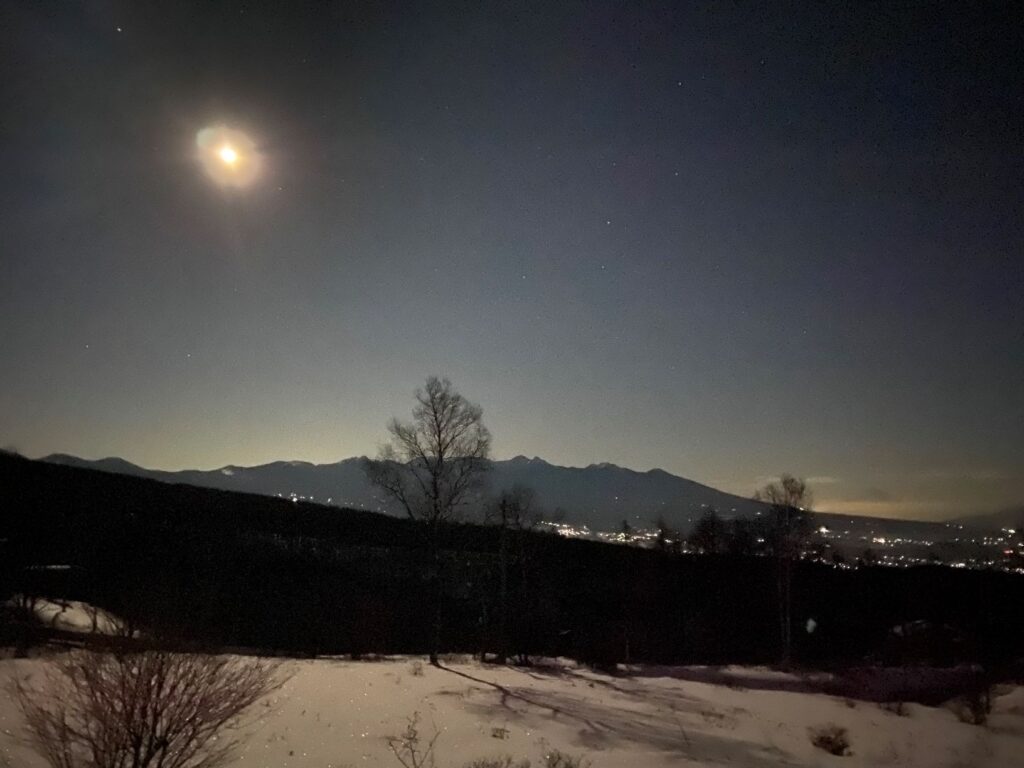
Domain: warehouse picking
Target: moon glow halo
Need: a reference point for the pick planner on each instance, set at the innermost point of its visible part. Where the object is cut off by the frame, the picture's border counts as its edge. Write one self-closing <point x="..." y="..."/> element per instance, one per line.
<point x="228" y="156"/>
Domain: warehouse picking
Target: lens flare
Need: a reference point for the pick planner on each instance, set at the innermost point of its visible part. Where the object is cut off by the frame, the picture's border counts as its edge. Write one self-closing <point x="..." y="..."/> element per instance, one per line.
<point x="228" y="156"/>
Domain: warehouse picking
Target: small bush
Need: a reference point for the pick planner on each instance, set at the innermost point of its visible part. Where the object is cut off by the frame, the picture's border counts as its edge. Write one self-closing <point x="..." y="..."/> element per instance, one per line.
<point x="407" y="749"/>
<point x="99" y="708"/>
<point x="416" y="668"/>
<point x="556" y="759"/>
<point x="411" y="752"/>
<point x="499" y="732"/>
<point x="975" y="706"/>
<point x="896" y="707"/>
<point x="831" y="738"/>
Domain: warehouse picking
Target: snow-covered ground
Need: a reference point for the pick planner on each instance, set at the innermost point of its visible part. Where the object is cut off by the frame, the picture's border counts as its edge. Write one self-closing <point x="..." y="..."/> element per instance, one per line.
<point x="334" y="713"/>
<point x="75" y="616"/>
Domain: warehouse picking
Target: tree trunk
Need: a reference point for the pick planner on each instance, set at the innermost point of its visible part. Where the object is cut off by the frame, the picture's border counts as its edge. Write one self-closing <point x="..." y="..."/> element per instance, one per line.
<point x="435" y="596"/>
<point x="784" y="619"/>
<point x="503" y="618"/>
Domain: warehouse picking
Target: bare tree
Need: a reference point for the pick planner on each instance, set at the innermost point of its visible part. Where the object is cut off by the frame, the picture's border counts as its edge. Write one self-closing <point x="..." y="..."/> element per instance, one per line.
<point x="514" y="513"/>
<point x="786" y="529"/>
<point x="710" y="534"/>
<point x="432" y="467"/>
<point x="144" y="709"/>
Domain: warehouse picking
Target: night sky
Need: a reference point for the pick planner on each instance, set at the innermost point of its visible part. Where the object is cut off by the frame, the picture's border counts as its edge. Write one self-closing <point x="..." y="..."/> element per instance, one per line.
<point x="721" y="240"/>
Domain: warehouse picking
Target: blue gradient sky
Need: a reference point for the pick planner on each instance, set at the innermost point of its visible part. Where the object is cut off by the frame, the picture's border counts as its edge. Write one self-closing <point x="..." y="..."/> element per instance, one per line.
<point x="722" y="242"/>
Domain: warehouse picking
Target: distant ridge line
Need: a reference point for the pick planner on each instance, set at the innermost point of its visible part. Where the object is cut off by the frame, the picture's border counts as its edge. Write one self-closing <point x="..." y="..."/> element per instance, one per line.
<point x="600" y="496"/>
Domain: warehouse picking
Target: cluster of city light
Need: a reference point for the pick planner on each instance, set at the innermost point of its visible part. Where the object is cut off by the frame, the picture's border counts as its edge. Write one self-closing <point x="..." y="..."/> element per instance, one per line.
<point x="647" y="537"/>
<point x="644" y="537"/>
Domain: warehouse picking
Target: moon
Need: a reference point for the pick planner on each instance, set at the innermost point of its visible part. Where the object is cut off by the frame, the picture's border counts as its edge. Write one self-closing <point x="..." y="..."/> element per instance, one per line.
<point x="228" y="156"/>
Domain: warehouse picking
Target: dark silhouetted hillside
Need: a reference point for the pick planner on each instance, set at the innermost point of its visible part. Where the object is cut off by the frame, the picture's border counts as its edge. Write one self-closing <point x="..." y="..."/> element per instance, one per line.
<point x="232" y="569"/>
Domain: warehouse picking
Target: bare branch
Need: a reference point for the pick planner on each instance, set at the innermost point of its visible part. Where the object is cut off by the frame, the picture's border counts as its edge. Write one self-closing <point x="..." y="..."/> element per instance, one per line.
<point x="432" y="464"/>
<point x="149" y="709"/>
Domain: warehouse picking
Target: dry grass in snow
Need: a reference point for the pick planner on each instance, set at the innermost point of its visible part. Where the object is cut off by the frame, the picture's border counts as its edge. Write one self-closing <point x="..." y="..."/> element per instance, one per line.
<point x="334" y="713"/>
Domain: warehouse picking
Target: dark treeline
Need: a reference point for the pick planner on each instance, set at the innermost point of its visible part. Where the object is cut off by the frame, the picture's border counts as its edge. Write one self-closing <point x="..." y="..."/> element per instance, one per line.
<point x="229" y="569"/>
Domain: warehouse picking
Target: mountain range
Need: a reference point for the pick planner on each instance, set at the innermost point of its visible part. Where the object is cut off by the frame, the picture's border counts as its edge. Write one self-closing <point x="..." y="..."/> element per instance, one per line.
<point x="600" y="495"/>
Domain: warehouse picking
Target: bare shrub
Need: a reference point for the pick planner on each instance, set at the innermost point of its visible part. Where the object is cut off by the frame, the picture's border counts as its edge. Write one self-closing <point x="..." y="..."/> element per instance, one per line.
<point x="898" y="708"/>
<point x="832" y="738"/>
<point x="975" y="706"/>
<point x="416" y="668"/>
<point x="413" y="751"/>
<point x="407" y="748"/>
<point x="556" y="759"/>
<point x="92" y="709"/>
